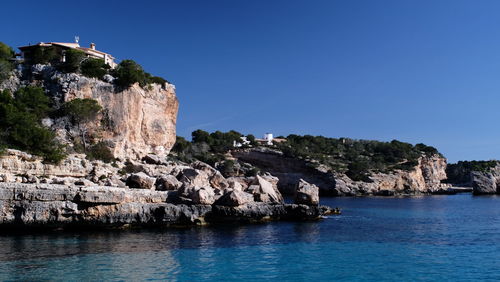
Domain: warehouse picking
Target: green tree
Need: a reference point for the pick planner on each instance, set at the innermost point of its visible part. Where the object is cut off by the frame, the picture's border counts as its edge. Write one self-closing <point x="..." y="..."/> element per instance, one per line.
<point x="33" y="100"/>
<point x="20" y="126"/>
<point x="73" y="61"/>
<point x="92" y="67"/>
<point x="6" y="52"/>
<point x="100" y="151"/>
<point x="181" y="145"/>
<point x="81" y="111"/>
<point x="199" y="136"/>
<point x="127" y="73"/>
<point x="5" y="69"/>
<point x="42" y="55"/>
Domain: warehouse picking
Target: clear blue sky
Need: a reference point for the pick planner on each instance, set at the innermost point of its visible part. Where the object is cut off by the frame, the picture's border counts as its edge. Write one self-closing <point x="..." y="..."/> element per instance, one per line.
<point x="416" y="71"/>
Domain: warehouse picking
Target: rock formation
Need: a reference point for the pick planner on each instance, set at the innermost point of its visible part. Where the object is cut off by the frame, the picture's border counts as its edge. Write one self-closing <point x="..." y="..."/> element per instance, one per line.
<point x="137" y="120"/>
<point x="142" y="120"/>
<point x="486" y="182"/>
<point x="306" y="193"/>
<point x="425" y="177"/>
<point x="80" y="192"/>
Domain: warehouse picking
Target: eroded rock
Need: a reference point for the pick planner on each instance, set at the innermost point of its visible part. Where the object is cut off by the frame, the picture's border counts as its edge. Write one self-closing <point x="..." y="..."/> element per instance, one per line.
<point x="306" y="193"/>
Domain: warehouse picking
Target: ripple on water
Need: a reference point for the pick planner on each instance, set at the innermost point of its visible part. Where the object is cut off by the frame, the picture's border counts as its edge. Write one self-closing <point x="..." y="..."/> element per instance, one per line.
<point x="425" y="238"/>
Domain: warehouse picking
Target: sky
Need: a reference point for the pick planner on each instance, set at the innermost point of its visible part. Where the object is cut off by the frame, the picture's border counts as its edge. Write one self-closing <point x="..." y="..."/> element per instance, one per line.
<point x="419" y="71"/>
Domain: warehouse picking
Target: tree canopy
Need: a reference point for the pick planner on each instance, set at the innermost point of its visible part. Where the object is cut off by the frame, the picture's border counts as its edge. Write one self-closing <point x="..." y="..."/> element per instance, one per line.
<point x="20" y="124"/>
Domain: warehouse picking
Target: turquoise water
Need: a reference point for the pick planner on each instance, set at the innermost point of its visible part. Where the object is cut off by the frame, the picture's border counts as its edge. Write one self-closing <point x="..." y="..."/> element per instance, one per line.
<point x="450" y="238"/>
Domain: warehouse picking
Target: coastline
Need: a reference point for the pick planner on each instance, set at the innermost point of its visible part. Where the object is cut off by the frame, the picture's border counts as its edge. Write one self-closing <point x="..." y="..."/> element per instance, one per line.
<point x="54" y="207"/>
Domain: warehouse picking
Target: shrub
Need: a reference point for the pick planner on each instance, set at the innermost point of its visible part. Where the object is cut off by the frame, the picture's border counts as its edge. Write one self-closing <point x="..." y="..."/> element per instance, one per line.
<point x="6" y="52"/>
<point x="199" y="136"/>
<point x="5" y="69"/>
<point x="42" y="55"/>
<point x="20" y="124"/>
<point x="94" y="68"/>
<point x="127" y="73"/>
<point x="100" y="151"/>
<point x="181" y="145"/>
<point x="73" y="60"/>
<point x="82" y="110"/>
<point x="33" y="100"/>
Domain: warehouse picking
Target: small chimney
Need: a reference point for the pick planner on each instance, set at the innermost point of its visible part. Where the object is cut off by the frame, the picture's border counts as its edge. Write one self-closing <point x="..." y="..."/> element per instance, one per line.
<point x="92" y="46"/>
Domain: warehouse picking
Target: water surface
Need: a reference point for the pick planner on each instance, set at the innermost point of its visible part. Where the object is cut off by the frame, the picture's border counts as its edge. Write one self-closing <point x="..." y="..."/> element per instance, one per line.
<point x="416" y="238"/>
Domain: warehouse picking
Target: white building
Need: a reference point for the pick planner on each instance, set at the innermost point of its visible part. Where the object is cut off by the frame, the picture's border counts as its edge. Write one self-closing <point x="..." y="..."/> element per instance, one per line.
<point x="243" y="142"/>
<point x="61" y="48"/>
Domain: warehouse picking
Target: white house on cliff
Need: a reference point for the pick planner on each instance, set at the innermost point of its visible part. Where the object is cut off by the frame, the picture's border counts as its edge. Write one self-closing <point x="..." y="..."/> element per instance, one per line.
<point x="61" y="48"/>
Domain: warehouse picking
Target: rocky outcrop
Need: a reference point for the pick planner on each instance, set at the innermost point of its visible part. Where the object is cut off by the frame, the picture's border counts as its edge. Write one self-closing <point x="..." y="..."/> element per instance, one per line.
<point x="486" y="182"/>
<point x="235" y="198"/>
<point x="306" y="193"/>
<point x="62" y="206"/>
<point x="138" y="120"/>
<point x="141" y="180"/>
<point x="142" y="120"/>
<point x="426" y="177"/>
<point x="14" y="162"/>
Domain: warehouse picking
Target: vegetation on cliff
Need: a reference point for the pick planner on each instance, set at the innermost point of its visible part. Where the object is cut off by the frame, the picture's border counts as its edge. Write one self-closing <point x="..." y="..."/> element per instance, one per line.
<point x="356" y="158"/>
<point x="20" y="123"/>
<point x="206" y="147"/>
<point x="21" y="115"/>
<point x="6" y="53"/>
<point x="460" y="172"/>
<point x="126" y="73"/>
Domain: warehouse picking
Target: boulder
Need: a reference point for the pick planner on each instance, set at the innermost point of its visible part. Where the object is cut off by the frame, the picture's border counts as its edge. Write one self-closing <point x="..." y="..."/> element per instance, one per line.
<point x="264" y="191"/>
<point x="306" y="193"/>
<point x="194" y="177"/>
<point x="167" y="182"/>
<point x="235" y="198"/>
<point x="141" y="180"/>
<point x="84" y="182"/>
<point x="216" y="179"/>
<point x="235" y="184"/>
<point x="203" y="196"/>
<point x="484" y="183"/>
<point x="154" y="159"/>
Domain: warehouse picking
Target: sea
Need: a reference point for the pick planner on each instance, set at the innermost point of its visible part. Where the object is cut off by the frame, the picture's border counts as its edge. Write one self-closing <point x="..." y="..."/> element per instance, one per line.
<point x="419" y="238"/>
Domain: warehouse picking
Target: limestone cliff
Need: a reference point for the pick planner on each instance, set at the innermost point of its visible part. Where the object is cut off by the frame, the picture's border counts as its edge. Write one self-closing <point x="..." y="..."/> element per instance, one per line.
<point x="425" y="177"/>
<point x="142" y="120"/>
<point x="137" y="120"/>
<point x="486" y="182"/>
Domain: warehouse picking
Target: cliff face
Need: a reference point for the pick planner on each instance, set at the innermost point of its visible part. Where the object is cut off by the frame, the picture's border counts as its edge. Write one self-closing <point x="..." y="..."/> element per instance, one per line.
<point x="137" y="120"/>
<point x="424" y="178"/>
<point x="141" y="120"/>
<point x="487" y="182"/>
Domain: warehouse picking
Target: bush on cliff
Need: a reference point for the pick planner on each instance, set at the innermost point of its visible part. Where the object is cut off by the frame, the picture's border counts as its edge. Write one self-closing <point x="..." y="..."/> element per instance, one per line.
<point x="129" y="72"/>
<point x="206" y="147"/>
<point x="355" y="157"/>
<point x="6" y="53"/>
<point x="42" y="55"/>
<point x="82" y="111"/>
<point x="100" y="151"/>
<point x="20" y="124"/>
<point x="73" y="61"/>
<point x="95" y="68"/>
<point x="460" y="172"/>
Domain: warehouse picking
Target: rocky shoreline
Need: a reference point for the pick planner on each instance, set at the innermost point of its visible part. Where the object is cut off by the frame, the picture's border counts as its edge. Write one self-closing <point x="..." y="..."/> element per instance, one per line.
<point x="52" y="206"/>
